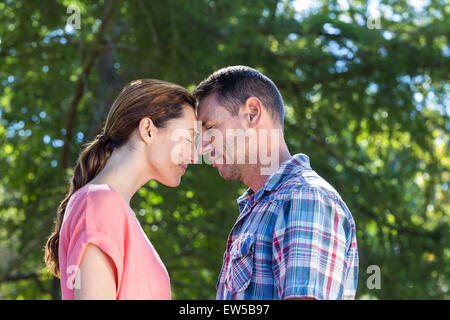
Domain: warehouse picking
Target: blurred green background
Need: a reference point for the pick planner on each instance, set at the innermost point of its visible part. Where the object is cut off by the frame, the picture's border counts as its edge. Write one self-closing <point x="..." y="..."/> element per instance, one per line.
<point x="366" y="89"/>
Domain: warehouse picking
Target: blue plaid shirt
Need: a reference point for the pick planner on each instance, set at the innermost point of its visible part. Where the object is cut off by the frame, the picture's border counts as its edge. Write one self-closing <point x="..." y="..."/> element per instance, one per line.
<point x="295" y="237"/>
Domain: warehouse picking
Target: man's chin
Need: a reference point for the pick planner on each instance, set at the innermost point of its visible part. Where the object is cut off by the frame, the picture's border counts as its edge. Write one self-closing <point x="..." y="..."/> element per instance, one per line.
<point x="227" y="173"/>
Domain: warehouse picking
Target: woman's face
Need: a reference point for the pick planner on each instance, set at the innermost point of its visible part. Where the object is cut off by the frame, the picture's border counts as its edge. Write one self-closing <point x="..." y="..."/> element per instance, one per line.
<point x="173" y="149"/>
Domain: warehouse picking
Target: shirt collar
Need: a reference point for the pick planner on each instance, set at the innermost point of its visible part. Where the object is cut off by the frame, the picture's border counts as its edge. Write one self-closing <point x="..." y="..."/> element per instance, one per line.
<point x="295" y="164"/>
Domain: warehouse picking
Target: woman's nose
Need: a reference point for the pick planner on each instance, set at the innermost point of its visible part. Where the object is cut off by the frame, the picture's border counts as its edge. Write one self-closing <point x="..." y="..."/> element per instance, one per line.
<point x="194" y="156"/>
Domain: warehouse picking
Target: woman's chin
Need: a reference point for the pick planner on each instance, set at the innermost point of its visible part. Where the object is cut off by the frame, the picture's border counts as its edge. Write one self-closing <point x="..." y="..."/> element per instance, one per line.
<point x="172" y="182"/>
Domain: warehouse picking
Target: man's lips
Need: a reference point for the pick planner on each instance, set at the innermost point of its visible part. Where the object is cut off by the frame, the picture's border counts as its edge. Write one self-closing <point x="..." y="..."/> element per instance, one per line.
<point x="215" y="161"/>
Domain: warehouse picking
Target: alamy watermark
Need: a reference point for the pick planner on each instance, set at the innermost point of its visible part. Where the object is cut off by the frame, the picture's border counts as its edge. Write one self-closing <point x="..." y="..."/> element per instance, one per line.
<point x="374" y="22"/>
<point x="74" y="277"/>
<point x="374" y="280"/>
<point x="74" y="20"/>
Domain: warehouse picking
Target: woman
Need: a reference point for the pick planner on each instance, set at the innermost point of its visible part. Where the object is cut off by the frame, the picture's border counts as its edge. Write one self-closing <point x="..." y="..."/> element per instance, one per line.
<point x="98" y="248"/>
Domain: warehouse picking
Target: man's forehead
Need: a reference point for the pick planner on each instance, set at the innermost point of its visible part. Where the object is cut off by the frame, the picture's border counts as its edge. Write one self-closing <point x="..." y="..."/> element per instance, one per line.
<point x="208" y="108"/>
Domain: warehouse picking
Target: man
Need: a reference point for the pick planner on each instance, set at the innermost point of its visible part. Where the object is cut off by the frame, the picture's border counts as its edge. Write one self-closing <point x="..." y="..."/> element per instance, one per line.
<point x="295" y="237"/>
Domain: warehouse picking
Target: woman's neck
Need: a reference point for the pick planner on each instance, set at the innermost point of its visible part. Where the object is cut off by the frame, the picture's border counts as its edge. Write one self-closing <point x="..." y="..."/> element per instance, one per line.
<point x="124" y="171"/>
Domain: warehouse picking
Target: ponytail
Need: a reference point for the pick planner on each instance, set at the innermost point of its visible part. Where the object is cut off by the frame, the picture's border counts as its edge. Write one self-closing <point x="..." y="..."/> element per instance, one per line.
<point x="90" y="162"/>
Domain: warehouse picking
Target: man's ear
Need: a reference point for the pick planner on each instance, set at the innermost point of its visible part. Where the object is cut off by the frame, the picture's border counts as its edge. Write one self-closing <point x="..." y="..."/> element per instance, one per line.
<point x="250" y="113"/>
<point x="146" y="129"/>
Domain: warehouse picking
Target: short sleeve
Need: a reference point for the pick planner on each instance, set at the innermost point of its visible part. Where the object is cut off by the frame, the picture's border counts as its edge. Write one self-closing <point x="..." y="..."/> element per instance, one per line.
<point x="100" y="221"/>
<point x="309" y="246"/>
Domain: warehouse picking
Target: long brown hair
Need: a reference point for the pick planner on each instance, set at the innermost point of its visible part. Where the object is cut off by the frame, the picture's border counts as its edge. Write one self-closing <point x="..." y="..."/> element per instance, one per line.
<point x="156" y="99"/>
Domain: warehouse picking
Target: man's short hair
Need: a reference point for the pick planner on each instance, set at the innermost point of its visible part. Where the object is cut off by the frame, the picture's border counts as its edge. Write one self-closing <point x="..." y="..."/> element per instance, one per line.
<point x="235" y="84"/>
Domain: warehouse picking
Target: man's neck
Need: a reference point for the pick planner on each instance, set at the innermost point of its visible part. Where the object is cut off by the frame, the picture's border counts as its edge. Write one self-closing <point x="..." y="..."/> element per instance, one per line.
<point x="255" y="179"/>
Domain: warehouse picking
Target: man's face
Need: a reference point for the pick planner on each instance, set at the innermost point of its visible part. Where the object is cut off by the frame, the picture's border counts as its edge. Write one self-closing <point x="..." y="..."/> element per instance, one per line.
<point x="216" y="120"/>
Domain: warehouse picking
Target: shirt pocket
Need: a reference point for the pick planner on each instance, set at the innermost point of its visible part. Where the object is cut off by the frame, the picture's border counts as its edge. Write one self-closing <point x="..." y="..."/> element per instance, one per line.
<point x="240" y="269"/>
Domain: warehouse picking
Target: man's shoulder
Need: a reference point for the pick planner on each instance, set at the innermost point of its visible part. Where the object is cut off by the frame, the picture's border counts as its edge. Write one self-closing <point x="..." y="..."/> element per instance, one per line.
<point x="305" y="183"/>
<point x="305" y="192"/>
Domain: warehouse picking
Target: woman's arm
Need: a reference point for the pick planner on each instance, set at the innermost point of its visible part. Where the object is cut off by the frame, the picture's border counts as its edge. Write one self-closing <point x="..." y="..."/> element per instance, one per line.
<point x="96" y="276"/>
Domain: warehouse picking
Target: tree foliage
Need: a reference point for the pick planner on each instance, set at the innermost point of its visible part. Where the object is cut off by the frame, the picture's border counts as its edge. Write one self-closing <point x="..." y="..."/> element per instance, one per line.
<point x="370" y="107"/>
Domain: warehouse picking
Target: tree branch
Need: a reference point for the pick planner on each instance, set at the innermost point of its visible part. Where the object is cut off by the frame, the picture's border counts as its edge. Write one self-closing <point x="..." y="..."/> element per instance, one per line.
<point x="79" y="89"/>
<point x="149" y="21"/>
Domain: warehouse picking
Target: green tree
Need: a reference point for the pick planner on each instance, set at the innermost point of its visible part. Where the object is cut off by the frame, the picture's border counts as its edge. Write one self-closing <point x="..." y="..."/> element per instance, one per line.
<point x="369" y="106"/>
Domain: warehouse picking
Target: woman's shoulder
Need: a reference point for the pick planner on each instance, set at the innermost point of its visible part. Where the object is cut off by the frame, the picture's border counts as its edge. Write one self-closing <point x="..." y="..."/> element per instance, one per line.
<point x="97" y="202"/>
<point x="94" y="194"/>
<point x="98" y="192"/>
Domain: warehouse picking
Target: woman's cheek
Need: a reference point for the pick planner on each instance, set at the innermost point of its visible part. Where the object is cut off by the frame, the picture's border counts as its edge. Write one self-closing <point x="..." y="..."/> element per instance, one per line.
<point x="173" y="152"/>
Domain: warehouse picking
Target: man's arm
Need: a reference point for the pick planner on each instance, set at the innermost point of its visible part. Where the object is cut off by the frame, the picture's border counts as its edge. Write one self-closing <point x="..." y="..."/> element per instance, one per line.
<point x="309" y="246"/>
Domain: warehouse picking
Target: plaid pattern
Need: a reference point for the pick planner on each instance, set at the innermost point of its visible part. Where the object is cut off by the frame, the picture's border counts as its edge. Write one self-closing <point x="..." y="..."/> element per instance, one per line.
<point x="295" y="237"/>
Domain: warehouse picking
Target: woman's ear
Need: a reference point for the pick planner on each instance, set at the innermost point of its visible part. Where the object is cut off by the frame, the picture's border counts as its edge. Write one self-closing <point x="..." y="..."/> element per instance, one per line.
<point x="146" y="129"/>
<point x="251" y="112"/>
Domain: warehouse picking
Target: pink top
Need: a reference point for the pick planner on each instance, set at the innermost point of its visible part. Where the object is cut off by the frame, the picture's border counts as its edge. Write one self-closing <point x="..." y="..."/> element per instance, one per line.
<point x="98" y="214"/>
